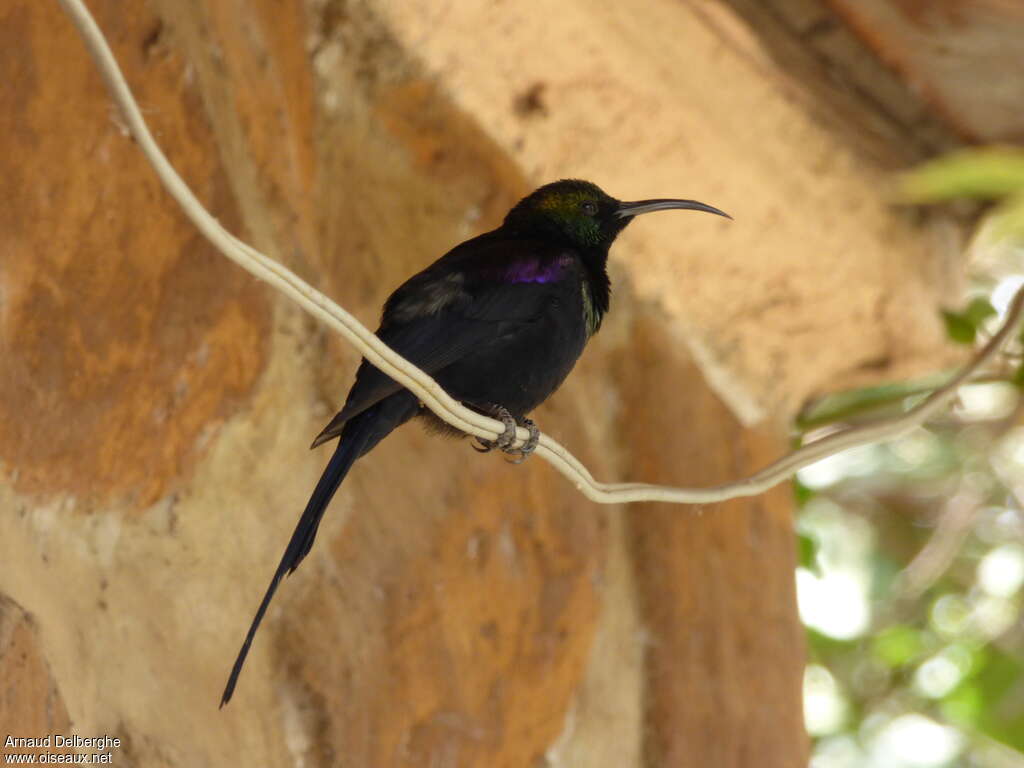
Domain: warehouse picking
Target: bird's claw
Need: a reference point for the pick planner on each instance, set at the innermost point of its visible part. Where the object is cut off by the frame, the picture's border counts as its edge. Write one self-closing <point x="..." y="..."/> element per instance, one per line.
<point x="531" y="442"/>
<point x="505" y="440"/>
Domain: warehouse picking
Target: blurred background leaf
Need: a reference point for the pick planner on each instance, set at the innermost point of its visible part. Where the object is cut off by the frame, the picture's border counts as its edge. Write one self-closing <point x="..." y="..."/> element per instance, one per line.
<point x="912" y="552"/>
<point x="986" y="173"/>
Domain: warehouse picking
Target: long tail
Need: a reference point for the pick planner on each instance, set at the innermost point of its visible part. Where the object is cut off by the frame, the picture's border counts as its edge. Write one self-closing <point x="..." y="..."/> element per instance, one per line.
<point x="361" y="434"/>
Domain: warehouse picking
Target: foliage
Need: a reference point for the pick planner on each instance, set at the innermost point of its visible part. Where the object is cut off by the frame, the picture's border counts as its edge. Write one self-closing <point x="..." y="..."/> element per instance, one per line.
<point x="912" y="553"/>
<point x="989" y="173"/>
<point x="941" y="636"/>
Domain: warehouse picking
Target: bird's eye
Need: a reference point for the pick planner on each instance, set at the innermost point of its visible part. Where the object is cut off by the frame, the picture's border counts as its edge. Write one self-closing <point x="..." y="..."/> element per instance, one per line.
<point x="589" y="207"/>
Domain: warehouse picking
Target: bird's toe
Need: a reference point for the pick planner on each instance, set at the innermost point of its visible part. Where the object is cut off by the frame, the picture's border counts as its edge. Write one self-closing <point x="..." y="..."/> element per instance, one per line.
<point x="531" y="442"/>
<point x="506" y="438"/>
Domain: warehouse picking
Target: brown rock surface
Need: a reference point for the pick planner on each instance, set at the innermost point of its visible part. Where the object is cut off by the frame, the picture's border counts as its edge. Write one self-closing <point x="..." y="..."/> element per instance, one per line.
<point x="712" y="594"/>
<point x="30" y="702"/>
<point x="116" y="326"/>
<point x="156" y="403"/>
<point x="964" y="57"/>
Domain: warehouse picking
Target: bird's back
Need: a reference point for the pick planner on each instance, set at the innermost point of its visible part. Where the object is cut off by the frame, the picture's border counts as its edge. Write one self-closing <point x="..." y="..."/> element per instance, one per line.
<point x="497" y="320"/>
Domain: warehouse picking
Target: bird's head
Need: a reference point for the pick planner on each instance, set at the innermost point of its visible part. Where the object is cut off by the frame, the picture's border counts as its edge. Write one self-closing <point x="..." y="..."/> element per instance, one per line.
<point x="583" y="215"/>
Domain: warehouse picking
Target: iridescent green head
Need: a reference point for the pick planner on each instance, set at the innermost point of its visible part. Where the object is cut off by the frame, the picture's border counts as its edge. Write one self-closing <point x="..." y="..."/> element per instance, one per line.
<point x="581" y="214"/>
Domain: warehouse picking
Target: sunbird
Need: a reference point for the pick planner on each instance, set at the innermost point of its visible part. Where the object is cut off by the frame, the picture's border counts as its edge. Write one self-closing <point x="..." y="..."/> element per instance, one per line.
<point x="498" y="322"/>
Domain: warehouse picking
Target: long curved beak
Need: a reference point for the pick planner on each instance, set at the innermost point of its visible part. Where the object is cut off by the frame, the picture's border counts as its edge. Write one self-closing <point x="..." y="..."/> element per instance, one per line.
<point x="649" y="206"/>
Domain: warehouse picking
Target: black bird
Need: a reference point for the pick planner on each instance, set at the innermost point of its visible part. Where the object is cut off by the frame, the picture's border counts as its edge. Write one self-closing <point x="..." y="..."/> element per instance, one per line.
<point x="498" y="321"/>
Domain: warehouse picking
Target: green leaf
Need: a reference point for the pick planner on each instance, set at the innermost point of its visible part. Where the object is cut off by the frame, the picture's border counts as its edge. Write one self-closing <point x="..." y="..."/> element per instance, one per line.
<point x="853" y="402"/>
<point x="985" y="173"/>
<point x="964" y="705"/>
<point x="898" y="645"/>
<point x="807" y="552"/>
<point x="801" y="493"/>
<point x="978" y="311"/>
<point x="826" y="650"/>
<point x="958" y="327"/>
<point x="962" y="327"/>
<point x="990" y="699"/>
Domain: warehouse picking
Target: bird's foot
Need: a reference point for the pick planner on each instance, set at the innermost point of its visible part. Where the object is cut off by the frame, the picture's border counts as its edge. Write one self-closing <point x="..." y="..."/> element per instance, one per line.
<point x="505" y="439"/>
<point x="523" y="453"/>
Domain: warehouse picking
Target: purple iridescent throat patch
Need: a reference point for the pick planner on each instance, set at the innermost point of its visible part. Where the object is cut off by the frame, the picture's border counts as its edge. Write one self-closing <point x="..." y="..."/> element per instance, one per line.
<point x="537" y="271"/>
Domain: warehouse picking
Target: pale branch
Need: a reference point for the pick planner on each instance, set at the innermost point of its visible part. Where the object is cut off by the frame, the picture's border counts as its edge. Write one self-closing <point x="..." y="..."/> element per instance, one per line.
<point x="429" y="391"/>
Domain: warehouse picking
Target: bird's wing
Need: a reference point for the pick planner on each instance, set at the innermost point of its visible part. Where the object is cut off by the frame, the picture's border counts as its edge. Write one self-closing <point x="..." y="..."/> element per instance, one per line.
<point x="434" y="325"/>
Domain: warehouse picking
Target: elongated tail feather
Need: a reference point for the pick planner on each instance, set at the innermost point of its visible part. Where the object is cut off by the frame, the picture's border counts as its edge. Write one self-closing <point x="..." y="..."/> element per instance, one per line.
<point x="301" y="542"/>
<point x="359" y="435"/>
